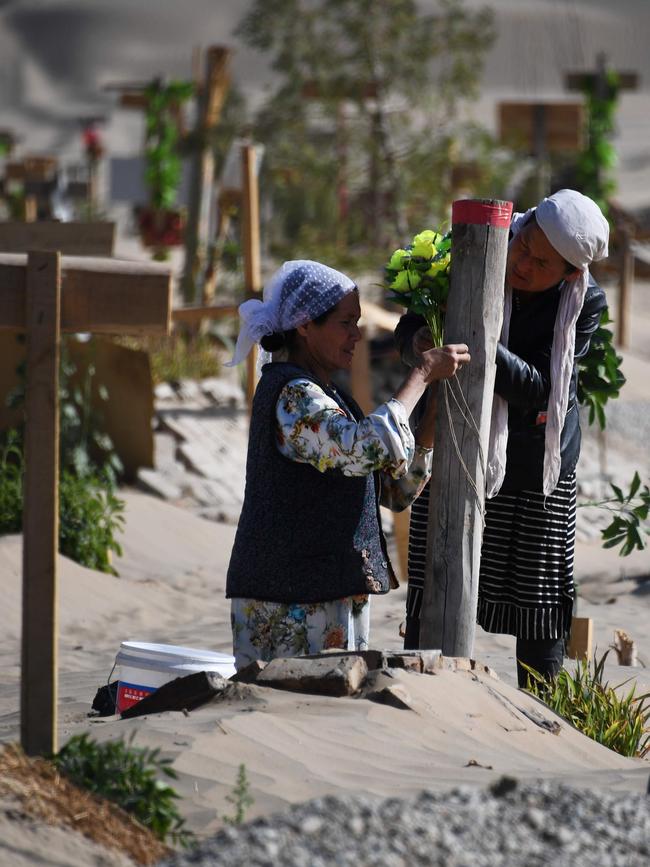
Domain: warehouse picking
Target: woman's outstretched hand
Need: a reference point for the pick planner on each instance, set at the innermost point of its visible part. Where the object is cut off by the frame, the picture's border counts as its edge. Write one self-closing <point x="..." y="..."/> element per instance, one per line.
<point x="443" y="362"/>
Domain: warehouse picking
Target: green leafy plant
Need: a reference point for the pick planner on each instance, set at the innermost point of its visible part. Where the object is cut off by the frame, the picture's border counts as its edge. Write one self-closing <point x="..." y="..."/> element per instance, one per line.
<point x="631" y="508"/>
<point x="599" y="373"/>
<point x="90" y="514"/>
<point x="130" y="777"/>
<point x="240" y="798"/>
<point x="418" y="278"/>
<point x="621" y="723"/>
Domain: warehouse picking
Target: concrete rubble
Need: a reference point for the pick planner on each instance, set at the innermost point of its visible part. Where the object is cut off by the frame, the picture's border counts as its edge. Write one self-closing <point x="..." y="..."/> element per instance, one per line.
<point x="365" y="674"/>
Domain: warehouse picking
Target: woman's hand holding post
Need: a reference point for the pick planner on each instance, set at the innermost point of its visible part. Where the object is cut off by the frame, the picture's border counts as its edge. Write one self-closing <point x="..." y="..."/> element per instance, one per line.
<point x="443" y="362"/>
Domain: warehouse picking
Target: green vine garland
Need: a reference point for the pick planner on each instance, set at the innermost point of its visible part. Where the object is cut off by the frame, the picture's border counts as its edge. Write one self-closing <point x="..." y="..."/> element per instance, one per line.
<point x="162" y="158"/>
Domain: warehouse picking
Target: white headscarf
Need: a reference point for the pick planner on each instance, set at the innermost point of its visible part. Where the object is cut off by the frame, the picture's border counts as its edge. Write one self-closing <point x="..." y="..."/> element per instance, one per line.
<point x="576" y="228"/>
<point x="301" y="290"/>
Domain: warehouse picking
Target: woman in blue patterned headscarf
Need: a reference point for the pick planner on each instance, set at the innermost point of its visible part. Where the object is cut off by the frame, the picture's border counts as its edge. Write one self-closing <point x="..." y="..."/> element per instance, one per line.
<point x="309" y="548"/>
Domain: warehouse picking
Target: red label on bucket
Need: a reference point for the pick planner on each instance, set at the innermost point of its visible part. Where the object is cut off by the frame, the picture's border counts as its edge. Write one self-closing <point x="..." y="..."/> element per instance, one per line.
<point x="129" y="694"/>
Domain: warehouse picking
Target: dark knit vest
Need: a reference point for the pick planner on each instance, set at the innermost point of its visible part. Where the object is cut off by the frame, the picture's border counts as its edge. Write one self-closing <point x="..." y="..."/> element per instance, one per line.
<point x="303" y="535"/>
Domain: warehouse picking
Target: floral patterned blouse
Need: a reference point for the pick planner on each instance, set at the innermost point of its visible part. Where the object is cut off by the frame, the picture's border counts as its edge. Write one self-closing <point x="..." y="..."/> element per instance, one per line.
<point x="313" y="429"/>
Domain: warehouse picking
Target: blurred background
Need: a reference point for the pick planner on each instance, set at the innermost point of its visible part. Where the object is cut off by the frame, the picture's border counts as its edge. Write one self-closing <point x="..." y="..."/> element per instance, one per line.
<point x="368" y="118"/>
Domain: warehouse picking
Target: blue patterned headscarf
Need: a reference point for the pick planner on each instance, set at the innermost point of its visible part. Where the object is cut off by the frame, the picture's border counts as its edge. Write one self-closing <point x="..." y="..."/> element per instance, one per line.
<point x="301" y="290"/>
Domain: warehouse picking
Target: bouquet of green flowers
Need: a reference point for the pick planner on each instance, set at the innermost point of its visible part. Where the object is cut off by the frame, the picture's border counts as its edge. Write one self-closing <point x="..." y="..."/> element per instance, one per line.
<point x="418" y="278"/>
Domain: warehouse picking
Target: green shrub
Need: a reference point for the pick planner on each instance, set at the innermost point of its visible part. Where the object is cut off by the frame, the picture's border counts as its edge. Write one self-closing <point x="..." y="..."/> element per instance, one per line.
<point x="595" y="708"/>
<point x="130" y="777"/>
<point x="90" y="514"/>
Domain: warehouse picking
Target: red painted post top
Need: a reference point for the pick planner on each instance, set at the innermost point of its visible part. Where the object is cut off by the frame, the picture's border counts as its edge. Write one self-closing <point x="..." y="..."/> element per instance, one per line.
<point x="479" y="212"/>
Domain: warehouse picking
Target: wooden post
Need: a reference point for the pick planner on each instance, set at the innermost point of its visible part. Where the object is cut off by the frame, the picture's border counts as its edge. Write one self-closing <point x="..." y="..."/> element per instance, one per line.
<point x="474" y="315"/>
<point x="214" y="254"/>
<point x="251" y="249"/>
<point x="626" y="280"/>
<point x="38" y="716"/>
<point x="214" y="89"/>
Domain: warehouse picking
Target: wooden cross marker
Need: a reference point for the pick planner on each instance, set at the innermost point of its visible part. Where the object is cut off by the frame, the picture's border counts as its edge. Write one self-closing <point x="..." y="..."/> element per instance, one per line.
<point x="582" y="80"/>
<point x="42" y="294"/>
<point x="474" y="315"/>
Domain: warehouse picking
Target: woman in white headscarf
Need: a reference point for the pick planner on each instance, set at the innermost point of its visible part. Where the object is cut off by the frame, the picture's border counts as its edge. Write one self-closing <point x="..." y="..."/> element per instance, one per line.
<point x="552" y="307"/>
<point x="309" y="548"/>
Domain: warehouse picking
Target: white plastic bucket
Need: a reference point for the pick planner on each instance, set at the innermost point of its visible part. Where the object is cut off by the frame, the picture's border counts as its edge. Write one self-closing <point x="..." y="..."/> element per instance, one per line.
<point x="144" y="667"/>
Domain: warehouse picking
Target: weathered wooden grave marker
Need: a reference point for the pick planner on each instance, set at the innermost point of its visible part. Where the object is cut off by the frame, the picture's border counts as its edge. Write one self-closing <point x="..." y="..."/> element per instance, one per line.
<point x="474" y="316"/>
<point x="43" y="294"/>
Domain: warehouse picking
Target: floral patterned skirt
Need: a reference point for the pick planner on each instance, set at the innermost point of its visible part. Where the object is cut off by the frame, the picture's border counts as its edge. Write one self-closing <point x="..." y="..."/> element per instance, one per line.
<point x="265" y="630"/>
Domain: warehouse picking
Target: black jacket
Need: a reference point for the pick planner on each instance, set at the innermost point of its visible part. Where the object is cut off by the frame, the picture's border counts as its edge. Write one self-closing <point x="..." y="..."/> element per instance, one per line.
<point x="523" y="379"/>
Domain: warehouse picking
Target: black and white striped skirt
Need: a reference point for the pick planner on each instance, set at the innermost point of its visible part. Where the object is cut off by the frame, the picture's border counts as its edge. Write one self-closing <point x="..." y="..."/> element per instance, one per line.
<point x="526" y="579"/>
<point x="526" y="575"/>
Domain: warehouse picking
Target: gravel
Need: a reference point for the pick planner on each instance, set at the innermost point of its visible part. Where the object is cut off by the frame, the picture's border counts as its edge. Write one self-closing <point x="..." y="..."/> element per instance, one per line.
<point x="509" y="824"/>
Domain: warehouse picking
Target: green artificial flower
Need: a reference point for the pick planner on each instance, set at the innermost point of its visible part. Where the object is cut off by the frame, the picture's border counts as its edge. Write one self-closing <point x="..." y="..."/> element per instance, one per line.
<point x="397" y="259"/>
<point x="438" y="266"/>
<point x="428" y="235"/>
<point x="418" y="278"/>
<point x="422" y="246"/>
<point x="405" y="281"/>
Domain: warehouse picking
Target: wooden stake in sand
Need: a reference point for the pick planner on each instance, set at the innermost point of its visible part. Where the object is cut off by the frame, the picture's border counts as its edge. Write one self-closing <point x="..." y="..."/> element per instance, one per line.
<point x="212" y="93"/>
<point x="251" y="249"/>
<point x="474" y="316"/>
<point x="42" y="294"/>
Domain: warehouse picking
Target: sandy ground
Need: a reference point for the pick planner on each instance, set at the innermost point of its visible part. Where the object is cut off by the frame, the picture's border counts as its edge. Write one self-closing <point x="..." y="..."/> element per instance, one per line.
<point x="462" y="727"/>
